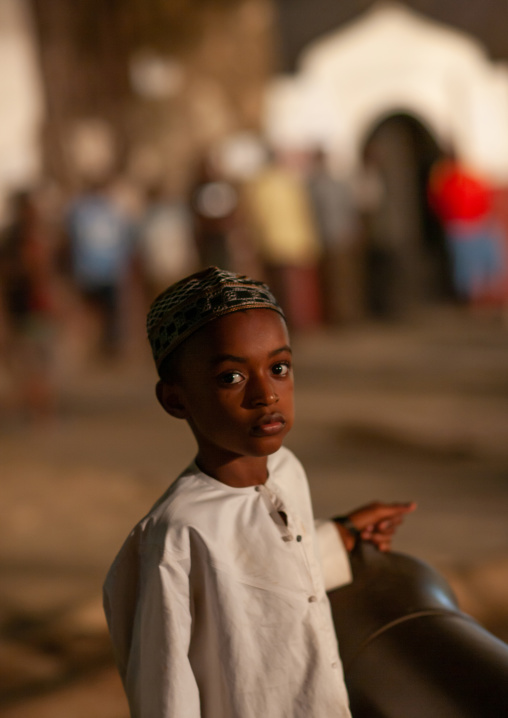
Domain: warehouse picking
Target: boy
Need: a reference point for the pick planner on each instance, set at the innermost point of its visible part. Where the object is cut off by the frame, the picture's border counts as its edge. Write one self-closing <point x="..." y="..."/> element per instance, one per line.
<point x="216" y="603"/>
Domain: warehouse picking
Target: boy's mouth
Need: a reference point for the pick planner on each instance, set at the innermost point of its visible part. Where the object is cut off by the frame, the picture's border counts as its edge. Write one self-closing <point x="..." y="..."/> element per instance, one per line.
<point x="269" y="424"/>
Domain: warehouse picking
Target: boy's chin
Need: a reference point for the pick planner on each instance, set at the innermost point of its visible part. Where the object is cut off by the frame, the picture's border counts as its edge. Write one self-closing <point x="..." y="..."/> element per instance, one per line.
<point x="266" y="447"/>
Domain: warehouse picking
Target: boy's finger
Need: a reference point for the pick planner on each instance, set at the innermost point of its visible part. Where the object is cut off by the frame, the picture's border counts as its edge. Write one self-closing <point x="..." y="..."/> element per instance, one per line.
<point x="401" y="509"/>
<point x="393" y="521"/>
<point x="381" y="511"/>
<point x="396" y="509"/>
<point x="383" y="544"/>
<point x="380" y="537"/>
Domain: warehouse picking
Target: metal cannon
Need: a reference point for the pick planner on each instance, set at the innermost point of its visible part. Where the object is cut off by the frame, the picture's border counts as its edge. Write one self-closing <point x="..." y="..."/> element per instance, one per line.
<point x="408" y="650"/>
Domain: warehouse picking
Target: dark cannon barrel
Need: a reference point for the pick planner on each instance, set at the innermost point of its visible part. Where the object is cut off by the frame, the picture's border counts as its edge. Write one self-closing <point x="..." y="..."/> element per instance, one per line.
<point x="407" y="649"/>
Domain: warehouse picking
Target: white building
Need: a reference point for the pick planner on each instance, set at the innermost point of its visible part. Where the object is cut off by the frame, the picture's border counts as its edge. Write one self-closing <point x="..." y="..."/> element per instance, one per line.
<point x="393" y="60"/>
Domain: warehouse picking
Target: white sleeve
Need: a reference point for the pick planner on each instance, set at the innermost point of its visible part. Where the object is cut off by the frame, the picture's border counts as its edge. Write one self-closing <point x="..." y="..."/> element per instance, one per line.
<point x="157" y="675"/>
<point x="333" y="554"/>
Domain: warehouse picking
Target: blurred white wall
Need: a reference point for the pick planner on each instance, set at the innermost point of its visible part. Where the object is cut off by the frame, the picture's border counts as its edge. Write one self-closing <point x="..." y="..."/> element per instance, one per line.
<point x="394" y="60"/>
<point x="21" y="99"/>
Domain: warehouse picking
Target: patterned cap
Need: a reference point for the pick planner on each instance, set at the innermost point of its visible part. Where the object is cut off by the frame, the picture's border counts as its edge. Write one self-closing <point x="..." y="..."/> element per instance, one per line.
<point x="194" y="301"/>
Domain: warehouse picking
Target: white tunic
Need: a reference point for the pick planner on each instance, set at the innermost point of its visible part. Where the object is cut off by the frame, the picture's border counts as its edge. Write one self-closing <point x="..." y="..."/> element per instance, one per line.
<point x="217" y="609"/>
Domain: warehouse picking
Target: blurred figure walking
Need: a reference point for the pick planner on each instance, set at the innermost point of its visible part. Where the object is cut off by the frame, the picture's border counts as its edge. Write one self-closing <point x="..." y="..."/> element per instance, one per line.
<point x="101" y="243"/>
<point x="339" y="231"/>
<point x="463" y="202"/>
<point x="165" y="244"/>
<point x="214" y="204"/>
<point x="287" y="239"/>
<point x="28" y="280"/>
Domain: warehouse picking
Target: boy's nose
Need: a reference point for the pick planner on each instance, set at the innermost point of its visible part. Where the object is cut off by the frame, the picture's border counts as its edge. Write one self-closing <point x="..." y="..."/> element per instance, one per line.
<point x="263" y="393"/>
<point x="266" y="399"/>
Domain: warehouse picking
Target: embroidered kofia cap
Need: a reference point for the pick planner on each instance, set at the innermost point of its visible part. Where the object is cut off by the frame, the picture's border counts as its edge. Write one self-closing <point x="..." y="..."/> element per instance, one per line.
<point x="196" y="300"/>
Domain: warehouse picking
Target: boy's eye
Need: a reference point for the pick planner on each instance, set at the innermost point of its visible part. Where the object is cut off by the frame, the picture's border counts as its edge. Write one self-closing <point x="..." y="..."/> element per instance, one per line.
<point x="231" y="377"/>
<point x="280" y="369"/>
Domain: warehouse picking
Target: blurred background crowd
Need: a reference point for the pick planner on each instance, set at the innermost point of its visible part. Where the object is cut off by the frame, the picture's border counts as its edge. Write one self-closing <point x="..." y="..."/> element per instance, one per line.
<point x="79" y="270"/>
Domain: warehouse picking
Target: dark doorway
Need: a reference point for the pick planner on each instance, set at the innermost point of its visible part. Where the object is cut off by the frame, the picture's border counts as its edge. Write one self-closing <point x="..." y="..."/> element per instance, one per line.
<point x="407" y="263"/>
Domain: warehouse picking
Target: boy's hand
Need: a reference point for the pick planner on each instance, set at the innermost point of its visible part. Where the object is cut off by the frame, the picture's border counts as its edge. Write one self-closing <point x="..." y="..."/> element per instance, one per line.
<point x="376" y="522"/>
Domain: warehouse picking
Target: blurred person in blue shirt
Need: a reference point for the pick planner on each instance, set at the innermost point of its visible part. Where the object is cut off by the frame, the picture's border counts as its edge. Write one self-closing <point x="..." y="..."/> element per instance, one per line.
<point x="101" y="239"/>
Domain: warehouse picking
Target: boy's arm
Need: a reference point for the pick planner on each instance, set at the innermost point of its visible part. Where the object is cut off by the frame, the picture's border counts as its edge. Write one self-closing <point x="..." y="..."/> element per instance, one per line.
<point x="375" y="522"/>
<point x="159" y="680"/>
<point x="157" y="674"/>
<point x="333" y="554"/>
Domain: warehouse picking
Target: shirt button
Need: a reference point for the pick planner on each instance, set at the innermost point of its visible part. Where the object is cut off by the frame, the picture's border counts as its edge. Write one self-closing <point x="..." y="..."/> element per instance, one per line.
<point x="312" y="599"/>
<point x="257" y="488"/>
<point x="298" y="538"/>
<point x="334" y="664"/>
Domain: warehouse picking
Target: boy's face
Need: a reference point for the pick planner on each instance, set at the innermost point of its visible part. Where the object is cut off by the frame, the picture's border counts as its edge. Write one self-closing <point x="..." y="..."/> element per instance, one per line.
<point x="235" y="385"/>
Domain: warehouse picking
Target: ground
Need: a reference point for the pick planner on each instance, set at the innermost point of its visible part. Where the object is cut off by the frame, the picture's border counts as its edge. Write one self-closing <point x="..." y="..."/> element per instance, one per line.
<point x="416" y="410"/>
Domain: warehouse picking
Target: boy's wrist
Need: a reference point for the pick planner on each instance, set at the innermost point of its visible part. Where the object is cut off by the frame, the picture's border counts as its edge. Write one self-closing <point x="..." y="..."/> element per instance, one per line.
<point x="348" y="524"/>
<point x="353" y="533"/>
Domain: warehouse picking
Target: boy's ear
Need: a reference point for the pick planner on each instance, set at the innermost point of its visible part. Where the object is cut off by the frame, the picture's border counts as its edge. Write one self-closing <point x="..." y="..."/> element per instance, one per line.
<point x="170" y="399"/>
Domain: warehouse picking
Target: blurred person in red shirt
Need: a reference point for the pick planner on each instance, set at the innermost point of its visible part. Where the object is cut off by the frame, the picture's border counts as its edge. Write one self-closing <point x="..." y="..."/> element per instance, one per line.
<point x="463" y="202"/>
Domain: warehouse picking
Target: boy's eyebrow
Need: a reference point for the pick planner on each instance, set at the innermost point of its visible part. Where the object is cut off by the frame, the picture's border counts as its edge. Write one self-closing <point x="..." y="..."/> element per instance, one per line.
<point x="242" y="360"/>
<point x="285" y="348"/>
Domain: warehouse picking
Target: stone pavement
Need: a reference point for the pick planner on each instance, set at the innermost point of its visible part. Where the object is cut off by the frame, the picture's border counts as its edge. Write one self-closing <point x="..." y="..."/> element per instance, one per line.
<point x="409" y="411"/>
